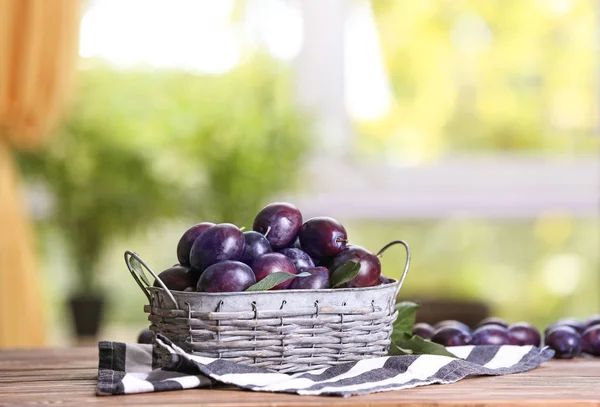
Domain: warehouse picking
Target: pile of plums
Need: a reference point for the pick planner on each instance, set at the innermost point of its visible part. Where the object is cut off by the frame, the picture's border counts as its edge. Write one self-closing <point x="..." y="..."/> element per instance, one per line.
<point x="567" y="337"/>
<point x="223" y="258"/>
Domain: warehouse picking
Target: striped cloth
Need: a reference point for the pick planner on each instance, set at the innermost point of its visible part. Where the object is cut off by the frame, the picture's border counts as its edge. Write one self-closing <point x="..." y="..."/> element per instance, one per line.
<point x="130" y="368"/>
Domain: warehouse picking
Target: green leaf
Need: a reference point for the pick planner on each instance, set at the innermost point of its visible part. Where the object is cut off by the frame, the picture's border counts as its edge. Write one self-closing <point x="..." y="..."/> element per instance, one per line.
<point x="415" y="345"/>
<point x="140" y="271"/>
<point x="344" y="273"/>
<point x="407" y="313"/>
<point x="274" y="279"/>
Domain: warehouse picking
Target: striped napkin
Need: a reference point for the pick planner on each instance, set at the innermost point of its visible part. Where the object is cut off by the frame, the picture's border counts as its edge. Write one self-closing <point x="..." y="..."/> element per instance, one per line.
<point x="130" y="368"/>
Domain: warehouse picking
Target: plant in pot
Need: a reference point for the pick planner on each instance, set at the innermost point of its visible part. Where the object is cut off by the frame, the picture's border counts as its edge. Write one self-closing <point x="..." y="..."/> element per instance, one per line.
<point x="99" y="188"/>
<point x="210" y="147"/>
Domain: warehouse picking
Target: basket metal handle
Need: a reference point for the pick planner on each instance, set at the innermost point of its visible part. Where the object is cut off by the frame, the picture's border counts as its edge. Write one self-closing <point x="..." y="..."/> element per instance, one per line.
<point x="406" y="266"/>
<point x="139" y="275"/>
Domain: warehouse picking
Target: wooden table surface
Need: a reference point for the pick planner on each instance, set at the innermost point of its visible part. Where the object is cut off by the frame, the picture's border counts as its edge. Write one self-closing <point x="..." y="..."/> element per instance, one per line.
<point x="67" y="377"/>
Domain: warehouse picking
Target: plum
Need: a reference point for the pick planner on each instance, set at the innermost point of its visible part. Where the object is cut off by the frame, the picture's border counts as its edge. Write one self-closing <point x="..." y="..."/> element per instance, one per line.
<point x="272" y="263"/>
<point x="176" y="278"/>
<point x="255" y="245"/>
<point x="590" y="340"/>
<point x="301" y="259"/>
<point x="218" y="243"/>
<point x="370" y="266"/>
<point x="493" y="321"/>
<point x="279" y="222"/>
<point x="522" y="334"/>
<point x="226" y="276"/>
<point x="318" y="279"/>
<point x="490" y="335"/>
<point x="451" y="336"/>
<point x="322" y="237"/>
<point x="572" y="322"/>
<point x="187" y="240"/>
<point x="423" y="330"/>
<point x="593" y="320"/>
<point x="565" y="341"/>
<point x="146" y="336"/>
<point x="452" y="322"/>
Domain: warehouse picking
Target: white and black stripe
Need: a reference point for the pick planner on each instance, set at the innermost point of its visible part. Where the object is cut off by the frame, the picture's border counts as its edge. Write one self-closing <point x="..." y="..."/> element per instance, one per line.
<point x="129" y="368"/>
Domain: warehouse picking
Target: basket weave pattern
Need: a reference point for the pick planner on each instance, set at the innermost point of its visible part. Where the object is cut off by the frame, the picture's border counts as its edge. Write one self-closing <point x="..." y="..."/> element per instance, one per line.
<point x="277" y="334"/>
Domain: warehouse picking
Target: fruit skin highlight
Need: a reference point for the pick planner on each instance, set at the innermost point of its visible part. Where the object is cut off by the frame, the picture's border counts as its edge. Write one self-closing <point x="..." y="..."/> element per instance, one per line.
<point x="565" y="341"/>
<point x="226" y="276"/>
<point x="218" y="243"/>
<point x="279" y="222"/>
<point x="322" y="237"/>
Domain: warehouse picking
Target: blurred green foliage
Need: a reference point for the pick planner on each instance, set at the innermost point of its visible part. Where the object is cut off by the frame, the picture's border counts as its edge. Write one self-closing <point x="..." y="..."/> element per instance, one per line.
<point x="535" y="270"/>
<point x="141" y="146"/>
<point x="486" y="75"/>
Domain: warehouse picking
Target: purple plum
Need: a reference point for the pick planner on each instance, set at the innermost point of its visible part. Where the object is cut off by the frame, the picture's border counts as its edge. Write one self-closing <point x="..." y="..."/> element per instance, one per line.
<point x="226" y="276"/>
<point x="318" y="279"/>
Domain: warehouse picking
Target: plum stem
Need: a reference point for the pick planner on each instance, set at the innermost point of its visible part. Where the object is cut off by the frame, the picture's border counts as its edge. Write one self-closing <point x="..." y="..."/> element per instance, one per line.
<point x="268" y="230"/>
<point x="242" y="228"/>
<point x="340" y="240"/>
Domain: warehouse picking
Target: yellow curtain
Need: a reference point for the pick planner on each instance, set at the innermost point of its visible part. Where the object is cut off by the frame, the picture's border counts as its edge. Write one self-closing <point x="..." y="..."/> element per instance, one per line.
<point x="38" y="53"/>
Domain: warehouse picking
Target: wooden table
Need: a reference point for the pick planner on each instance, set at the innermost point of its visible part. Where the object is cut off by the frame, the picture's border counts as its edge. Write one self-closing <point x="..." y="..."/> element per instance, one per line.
<point x="67" y="377"/>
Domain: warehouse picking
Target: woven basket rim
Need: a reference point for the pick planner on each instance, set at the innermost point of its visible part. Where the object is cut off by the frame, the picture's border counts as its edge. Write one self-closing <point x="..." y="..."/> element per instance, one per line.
<point x="273" y="292"/>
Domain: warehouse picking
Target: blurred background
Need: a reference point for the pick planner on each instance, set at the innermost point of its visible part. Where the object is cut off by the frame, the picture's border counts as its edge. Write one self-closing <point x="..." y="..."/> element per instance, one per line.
<point x="469" y="128"/>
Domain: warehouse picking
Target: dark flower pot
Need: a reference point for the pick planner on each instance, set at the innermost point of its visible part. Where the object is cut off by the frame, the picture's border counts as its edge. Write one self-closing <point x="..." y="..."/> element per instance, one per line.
<point x="87" y="312"/>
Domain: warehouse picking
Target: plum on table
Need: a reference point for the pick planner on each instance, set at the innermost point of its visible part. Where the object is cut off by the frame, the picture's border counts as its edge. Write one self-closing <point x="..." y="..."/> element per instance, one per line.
<point x="565" y="341"/>
<point x="423" y="329"/>
<point x="450" y="335"/>
<point x="522" y="334"/>
<point x="490" y="335"/>
<point x="590" y="340"/>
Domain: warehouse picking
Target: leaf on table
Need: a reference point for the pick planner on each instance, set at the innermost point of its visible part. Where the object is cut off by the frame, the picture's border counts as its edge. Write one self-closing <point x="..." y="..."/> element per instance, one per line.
<point x="408" y="344"/>
<point x="407" y="314"/>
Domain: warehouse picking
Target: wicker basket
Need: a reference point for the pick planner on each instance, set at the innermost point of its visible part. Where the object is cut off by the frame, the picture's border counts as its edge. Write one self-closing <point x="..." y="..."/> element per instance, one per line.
<point x="284" y="331"/>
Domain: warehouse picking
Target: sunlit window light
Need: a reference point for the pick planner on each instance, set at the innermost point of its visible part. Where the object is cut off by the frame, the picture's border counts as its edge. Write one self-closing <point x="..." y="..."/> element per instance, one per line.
<point x="368" y="94"/>
<point x="180" y="34"/>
